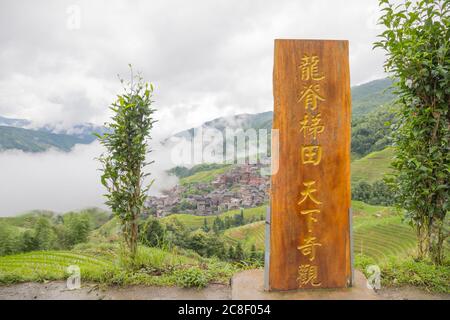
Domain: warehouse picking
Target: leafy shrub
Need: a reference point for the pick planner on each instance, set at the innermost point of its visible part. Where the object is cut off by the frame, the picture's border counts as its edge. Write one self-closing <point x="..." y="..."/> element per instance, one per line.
<point x="377" y="193"/>
<point x="422" y="274"/>
<point x="193" y="277"/>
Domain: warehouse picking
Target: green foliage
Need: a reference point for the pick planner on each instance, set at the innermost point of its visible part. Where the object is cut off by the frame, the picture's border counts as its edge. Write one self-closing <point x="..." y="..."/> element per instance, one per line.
<point x="77" y="228"/>
<point x="44" y="230"/>
<point x="228" y="218"/>
<point x="9" y="240"/>
<point x="377" y="193"/>
<point x="205" y="225"/>
<point x="372" y="132"/>
<point x="239" y="253"/>
<point x="124" y="161"/>
<point x="421" y="274"/>
<point x="153" y="233"/>
<point x="191" y="277"/>
<point x="205" y="244"/>
<point x="418" y="56"/>
<point x="44" y="234"/>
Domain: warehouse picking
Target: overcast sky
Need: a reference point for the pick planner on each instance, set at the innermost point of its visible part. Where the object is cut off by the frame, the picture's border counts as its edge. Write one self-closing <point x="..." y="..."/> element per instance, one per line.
<point x="59" y="59"/>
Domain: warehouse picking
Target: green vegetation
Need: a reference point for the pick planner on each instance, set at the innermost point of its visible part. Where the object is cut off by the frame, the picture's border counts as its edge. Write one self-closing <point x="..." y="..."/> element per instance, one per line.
<point x="249" y="234"/>
<point x="369" y="96"/>
<point x="192" y="277"/>
<point x="124" y="161"/>
<point x="193" y="222"/>
<point x="44" y="230"/>
<point x="372" y="167"/>
<point x="51" y="265"/>
<point x="418" y="56"/>
<point x="378" y="233"/>
<point x="373" y="131"/>
<point x="377" y="193"/>
<point x="422" y="274"/>
<point x="204" y="176"/>
<point x="176" y="250"/>
<point x="103" y="264"/>
<point x="407" y="271"/>
<point x="383" y="238"/>
<point x="182" y="172"/>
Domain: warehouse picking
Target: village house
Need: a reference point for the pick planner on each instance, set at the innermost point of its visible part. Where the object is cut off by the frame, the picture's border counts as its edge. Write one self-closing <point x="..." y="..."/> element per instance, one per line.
<point x="241" y="186"/>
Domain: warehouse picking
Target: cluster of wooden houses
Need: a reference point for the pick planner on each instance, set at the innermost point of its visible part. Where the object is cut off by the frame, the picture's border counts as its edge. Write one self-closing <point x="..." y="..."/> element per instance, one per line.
<point x="241" y="186"/>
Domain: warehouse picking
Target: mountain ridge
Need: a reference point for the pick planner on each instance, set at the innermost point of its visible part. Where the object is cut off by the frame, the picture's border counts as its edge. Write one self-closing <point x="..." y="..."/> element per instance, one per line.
<point x="366" y="98"/>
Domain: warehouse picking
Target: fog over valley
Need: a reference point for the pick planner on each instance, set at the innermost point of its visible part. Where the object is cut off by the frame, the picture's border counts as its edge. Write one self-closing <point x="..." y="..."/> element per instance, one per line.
<point x="62" y="181"/>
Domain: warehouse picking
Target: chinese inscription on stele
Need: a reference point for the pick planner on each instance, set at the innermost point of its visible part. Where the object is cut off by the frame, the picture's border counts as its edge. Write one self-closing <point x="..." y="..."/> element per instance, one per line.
<point x="310" y="193"/>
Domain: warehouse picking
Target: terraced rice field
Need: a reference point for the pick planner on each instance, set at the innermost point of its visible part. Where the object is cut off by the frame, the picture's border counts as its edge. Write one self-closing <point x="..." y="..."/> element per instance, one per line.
<point x="375" y="236"/>
<point x="51" y="265"/>
<point x="380" y="241"/>
<point x="253" y="233"/>
<point x="372" y="167"/>
<point x="195" y="222"/>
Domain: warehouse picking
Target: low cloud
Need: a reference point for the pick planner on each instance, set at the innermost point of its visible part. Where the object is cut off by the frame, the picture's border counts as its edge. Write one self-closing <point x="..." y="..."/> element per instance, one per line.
<point x="61" y="181"/>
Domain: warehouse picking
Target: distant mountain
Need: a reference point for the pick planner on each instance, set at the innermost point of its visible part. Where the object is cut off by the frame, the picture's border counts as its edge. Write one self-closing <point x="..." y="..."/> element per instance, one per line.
<point x="366" y="98"/>
<point x="34" y="140"/>
<point x="19" y="123"/>
<point x="241" y="121"/>
<point x="84" y="132"/>
<point x="18" y="134"/>
<point x="369" y="96"/>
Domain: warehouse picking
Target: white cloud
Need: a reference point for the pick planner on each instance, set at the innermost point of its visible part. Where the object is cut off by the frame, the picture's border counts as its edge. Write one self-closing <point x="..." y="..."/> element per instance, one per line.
<point x="213" y="58"/>
<point x="206" y="58"/>
<point x="63" y="181"/>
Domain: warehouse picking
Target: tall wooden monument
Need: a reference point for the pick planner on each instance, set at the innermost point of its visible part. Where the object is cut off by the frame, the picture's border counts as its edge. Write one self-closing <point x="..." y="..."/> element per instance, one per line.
<point x="310" y="193"/>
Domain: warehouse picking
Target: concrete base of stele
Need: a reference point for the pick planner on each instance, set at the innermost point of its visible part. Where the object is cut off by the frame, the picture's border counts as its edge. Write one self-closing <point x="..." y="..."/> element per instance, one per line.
<point x="249" y="285"/>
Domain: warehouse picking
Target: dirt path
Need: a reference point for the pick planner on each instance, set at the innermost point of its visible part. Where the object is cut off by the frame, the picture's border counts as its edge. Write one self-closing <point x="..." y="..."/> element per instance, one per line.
<point x="57" y="290"/>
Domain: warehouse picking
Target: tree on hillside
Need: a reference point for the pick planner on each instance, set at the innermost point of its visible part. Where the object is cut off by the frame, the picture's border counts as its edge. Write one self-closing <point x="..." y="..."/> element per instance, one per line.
<point x="153" y="232"/>
<point x="124" y="161"/>
<point x="9" y="240"/>
<point x="418" y="57"/>
<point x="77" y="228"/>
<point x="239" y="253"/>
<point x="231" y="254"/>
<point x="29" y="242"/>
<point x="205" y="225"/>
<point x="45" y="236"/>
<point x="253" y="254"/>
<point x="218" y="225"/>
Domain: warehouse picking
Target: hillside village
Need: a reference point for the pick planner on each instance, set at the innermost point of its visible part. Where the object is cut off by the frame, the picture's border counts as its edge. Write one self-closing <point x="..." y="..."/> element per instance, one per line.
<point x="240" y="186"/>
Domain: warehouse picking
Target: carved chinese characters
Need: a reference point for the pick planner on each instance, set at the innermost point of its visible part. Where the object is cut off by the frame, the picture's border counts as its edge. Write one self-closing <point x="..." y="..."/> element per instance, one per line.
<point x="310" y="194"/>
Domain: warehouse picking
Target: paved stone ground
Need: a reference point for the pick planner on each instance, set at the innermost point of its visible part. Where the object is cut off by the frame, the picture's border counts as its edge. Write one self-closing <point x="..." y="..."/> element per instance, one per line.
<point x="249" y="285"/>
<point x="56" y="290"/>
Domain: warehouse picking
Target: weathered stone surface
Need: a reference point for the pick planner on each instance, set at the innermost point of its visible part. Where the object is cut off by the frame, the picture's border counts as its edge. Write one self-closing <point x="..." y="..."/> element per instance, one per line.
<point x="249" y="285"/>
